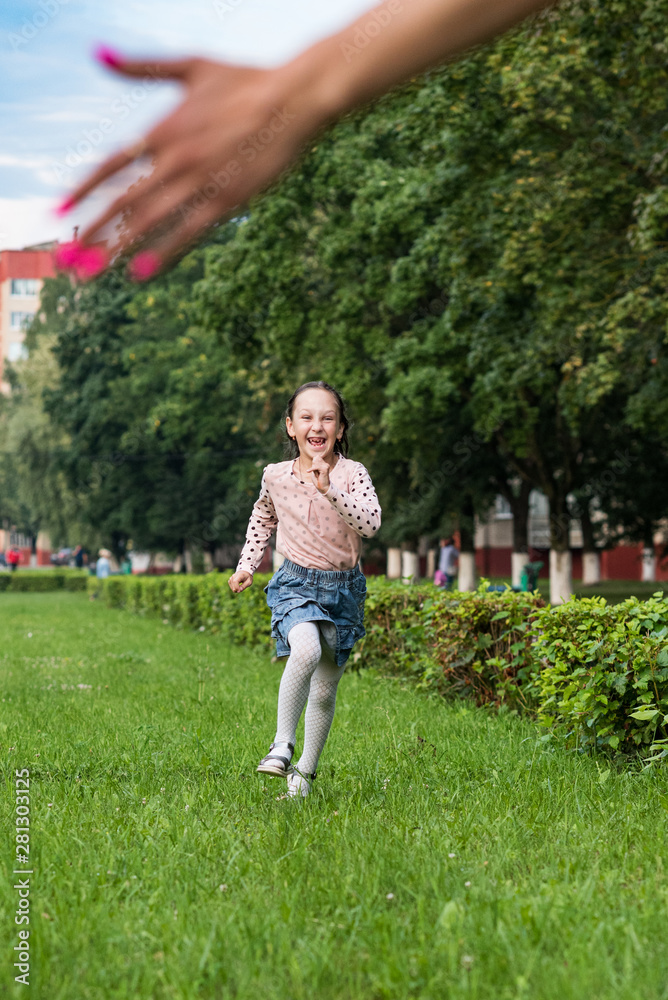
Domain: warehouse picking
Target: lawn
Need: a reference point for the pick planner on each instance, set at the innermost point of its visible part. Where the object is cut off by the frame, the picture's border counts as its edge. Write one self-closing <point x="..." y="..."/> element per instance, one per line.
<point x="446" y="852"/>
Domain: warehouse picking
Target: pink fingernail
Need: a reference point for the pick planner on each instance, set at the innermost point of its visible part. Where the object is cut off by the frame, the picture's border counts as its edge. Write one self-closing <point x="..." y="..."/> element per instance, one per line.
<point x="67" y="254"/>
<point x="90" y="261"/>
<point x="144" y="265"/>
<point x="108" y="56"/>
<point x="65" y="206"/>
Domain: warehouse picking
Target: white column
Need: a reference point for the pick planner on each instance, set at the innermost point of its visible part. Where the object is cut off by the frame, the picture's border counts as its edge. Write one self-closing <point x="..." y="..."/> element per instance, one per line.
<point x="648" y="566"/>
<point x="431" y="563"/>
<point x="518" y="560"/>
<point x="393" y="564"/>
<point x="591" y="567"/>
<point x="561" y="576"/>
<point x="410" y="567"/>
<point x="466" y="579"/>
<point x="277" y="559"/>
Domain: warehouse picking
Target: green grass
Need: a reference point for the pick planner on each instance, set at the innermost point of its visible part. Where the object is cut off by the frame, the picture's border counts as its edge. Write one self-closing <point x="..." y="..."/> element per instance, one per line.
<point x="445" y="852"/>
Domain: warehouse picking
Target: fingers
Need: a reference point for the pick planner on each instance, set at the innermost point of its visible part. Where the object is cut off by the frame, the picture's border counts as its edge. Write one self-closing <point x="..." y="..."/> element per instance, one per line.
<point x="160" y="69"/>
<point x="189" y="225"/>
<point x="240" y="581"/>
<point x="105" y="170"/>
<point x="163" y="69"/>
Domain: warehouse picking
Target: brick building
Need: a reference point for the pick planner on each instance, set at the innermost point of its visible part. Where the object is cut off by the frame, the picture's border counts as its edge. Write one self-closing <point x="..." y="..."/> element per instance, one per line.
<point x="22" y="274"/>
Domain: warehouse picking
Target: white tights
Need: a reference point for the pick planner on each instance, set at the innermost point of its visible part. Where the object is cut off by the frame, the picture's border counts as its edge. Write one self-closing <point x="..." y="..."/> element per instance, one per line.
<point x="310" y="673"/>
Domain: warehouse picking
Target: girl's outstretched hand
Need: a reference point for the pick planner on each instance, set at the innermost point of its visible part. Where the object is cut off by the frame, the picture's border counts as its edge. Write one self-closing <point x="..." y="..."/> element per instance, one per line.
<point x="240" y="580"/>
<point x="235" y="130"/>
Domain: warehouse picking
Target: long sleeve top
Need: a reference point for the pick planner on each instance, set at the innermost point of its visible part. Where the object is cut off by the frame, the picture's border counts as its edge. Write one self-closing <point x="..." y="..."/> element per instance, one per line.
<point x="447" y="560"/>
<point x="313" y="529"/>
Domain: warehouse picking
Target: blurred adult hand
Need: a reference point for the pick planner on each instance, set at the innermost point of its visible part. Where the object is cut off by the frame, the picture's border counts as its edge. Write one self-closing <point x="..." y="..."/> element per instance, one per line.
<point x="237" y="128"/>
<point x="234" y="132"/>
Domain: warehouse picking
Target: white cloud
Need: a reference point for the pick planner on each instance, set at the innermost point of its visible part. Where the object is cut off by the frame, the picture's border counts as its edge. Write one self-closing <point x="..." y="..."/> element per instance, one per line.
<point x="68" y="116"/>
<point x="24" y="162"/>
<point x="56" y="97"/>
<point x="24" y="221"/>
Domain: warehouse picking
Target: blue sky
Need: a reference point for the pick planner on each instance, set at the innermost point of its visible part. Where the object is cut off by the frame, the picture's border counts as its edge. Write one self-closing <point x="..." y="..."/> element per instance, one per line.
<point x="53" y="95"/>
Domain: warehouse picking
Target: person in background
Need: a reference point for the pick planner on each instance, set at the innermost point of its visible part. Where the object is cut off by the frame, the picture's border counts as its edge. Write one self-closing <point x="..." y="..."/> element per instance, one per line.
<point x="103" y="566"/>
<point x="13" y="558"/>
<point x="447" y="562"/>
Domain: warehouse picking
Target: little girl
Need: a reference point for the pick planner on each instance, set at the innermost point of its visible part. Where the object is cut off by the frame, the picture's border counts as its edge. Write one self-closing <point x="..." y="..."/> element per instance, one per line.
<point x="321" y="504"/>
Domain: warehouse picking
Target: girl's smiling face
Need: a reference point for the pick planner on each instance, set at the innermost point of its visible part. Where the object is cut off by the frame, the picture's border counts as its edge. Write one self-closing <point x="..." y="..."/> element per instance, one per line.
<point x="315" y="424"/>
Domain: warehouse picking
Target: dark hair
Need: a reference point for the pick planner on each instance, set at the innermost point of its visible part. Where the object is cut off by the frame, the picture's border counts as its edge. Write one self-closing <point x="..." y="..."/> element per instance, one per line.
<point x="340" y="447"/>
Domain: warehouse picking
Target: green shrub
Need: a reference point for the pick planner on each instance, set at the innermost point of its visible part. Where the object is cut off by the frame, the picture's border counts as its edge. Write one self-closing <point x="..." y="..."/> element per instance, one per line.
<point x="462" y="644"/>
<point x="601" y="671"/>
<point x="481" y="645"/>
<point x="193" y="602"/>
<point x="395" y="639"/>
<point x="596" y="673"/>
<point x="42" y="581"/>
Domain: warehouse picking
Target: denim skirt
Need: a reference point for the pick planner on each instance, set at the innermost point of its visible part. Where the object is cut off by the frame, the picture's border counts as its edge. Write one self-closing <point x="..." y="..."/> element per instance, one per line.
<point x="296" y="594"/>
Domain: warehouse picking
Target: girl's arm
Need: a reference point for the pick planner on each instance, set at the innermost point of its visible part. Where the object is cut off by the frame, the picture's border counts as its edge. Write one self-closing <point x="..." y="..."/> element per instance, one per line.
<point x="359" y="508"/>
<point x="262" y="523"/>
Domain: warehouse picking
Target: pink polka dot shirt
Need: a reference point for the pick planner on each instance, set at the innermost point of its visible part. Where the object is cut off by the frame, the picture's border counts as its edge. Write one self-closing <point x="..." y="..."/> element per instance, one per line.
<point x="313" y="529"/>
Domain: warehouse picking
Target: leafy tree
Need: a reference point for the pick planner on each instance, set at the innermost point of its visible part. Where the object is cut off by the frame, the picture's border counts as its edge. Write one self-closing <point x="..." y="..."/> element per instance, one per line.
<point x="459" y="259"/>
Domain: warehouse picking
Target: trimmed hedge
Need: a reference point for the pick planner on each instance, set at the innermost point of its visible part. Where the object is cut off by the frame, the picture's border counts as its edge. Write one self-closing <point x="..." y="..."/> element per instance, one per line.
<point x="193" y="602"/>
<point x="594" y="673"/>
<point x="471" y="644"/>
<point x="602" y="670"/>
<point x="41" y="581"/>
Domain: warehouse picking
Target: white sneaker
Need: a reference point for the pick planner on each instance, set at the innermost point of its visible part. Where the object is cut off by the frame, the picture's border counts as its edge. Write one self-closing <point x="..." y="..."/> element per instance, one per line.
<point x="299" y="784"/>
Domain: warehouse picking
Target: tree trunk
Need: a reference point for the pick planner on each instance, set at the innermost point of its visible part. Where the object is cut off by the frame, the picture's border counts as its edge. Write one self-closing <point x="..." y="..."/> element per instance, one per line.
<point x="591" y="568"/>
<point x="648" y="565"/>
<point x="520" y="507"/>
<point x="410" y="567"/>
<point x="648" y="574"/>
<point x="431" y="563"/>
<point x="277" y="559"/>
<point x="561" y="576"/>
<point x="591" y="557"/>
<point x="393" y="564"/>
<point x="561" y="563"/>
<point x="467" y="573"/>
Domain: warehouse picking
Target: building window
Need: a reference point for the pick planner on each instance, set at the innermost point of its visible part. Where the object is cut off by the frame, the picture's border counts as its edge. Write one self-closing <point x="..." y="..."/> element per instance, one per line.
<point x="25" y="286"/>
<point x="17" y="351"/>
<point x="20" y="320"/>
